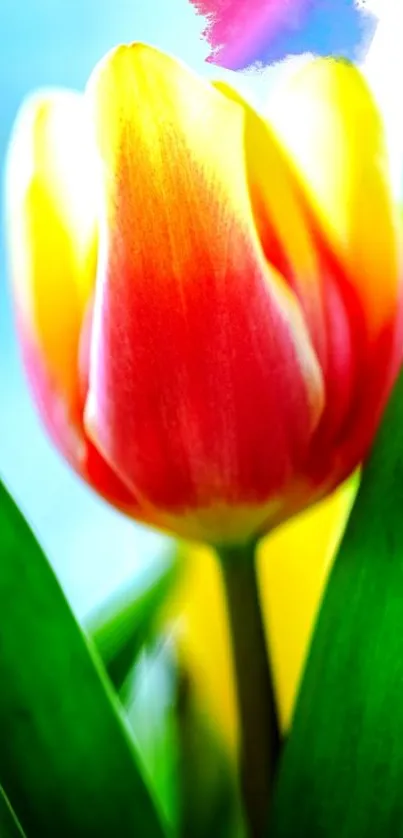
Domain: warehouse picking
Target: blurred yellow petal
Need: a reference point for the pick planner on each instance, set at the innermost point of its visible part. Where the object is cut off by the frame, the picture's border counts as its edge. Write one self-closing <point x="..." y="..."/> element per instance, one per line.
<point x="293" y="566"/>
<point x="294" y="563"/>
<point x="204" y="641"/>
<point x="51" y="203"/>
<point x="343" y="161"/>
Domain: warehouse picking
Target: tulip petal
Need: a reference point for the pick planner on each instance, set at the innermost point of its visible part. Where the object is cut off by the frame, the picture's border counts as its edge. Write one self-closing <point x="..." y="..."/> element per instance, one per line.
<point x="53" y="239"/>
<point x="200" y="354"/>
<point x="51" y="202"/>
<point x="294" y="241"/>
<point x="334" y="237"/>
<point x="282" y="215"/>
<point x="328" y="121"/>
<point x="330" y="125"/>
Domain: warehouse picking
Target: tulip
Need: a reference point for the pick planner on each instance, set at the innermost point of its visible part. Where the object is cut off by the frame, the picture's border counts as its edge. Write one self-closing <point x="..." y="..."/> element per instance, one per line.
<point x="207" y="297"/>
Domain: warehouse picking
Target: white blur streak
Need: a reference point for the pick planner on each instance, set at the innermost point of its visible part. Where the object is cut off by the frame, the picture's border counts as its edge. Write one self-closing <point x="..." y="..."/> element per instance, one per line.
<point x="383" y="68"/>
<point x="257" y="83"/>
<point x="375" y="7"/>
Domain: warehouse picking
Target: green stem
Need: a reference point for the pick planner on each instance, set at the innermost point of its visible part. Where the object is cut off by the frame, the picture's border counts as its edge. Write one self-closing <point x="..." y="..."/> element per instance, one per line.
<point x="259" y="729"/>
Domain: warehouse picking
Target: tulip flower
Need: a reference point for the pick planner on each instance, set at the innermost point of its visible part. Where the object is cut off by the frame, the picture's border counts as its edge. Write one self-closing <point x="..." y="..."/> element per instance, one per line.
<point x="207" y="297"/>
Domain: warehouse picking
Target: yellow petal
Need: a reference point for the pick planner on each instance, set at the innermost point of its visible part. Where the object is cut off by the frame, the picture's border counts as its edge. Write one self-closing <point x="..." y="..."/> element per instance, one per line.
<point x="51" y="203"/>
<point x="198" y="608"/>
<point x="327" y="119"/>
<point x="278" y="203"/>
<point x="294" y="563"/>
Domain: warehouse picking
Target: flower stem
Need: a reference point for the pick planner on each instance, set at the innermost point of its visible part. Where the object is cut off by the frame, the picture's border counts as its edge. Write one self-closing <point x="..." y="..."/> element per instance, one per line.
<point x="259" y="729"/>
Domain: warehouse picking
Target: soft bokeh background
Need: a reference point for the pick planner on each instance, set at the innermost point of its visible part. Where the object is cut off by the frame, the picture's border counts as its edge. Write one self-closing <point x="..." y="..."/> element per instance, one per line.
<point x="48" y="43"/>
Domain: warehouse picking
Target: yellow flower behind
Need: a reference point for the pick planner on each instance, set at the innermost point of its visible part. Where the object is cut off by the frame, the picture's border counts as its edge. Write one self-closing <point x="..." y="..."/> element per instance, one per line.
<point x="294" y="563"/>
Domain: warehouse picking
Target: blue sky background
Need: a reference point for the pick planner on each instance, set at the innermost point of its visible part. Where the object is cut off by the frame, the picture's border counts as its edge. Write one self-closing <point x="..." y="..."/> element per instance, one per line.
<point x="54" y="42"/>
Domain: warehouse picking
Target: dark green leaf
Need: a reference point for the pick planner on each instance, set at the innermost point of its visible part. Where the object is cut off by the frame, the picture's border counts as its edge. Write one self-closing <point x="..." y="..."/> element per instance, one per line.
<point x="342" y="772"/>
<point x="67" y="763"/>
<point x="120" y="628"/>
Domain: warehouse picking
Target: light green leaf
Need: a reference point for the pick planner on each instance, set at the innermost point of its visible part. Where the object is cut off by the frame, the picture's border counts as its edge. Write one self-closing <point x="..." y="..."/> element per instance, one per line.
<point x="122" y="626"/>
<point x="150" y="697"/>
<point x="342" y="772"/>
<point x="67" y="762"/>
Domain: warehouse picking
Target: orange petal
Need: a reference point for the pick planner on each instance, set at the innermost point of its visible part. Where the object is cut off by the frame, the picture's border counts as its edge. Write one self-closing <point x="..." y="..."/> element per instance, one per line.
<point x="197" y="342"/>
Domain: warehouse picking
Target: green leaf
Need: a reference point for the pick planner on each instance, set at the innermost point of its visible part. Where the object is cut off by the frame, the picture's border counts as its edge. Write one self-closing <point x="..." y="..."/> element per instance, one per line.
<point x="9" y="826"/>
<point x="149" y="698"/>
<point x="122" y="626"/>
<point x="342" y="771"/>
<point x="127" y="633"/>
<point x="67" y="762"/>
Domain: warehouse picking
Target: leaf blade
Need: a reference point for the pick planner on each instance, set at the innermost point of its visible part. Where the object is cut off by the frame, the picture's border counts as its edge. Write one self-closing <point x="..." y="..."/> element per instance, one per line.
<point x="67" y="763"/>
<point x="122" y="625"/>
<point x="342" y="769"/>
